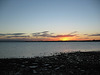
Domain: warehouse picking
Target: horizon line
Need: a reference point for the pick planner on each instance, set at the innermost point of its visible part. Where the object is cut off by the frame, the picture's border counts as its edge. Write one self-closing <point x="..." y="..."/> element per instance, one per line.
<point x="51" y="41"/>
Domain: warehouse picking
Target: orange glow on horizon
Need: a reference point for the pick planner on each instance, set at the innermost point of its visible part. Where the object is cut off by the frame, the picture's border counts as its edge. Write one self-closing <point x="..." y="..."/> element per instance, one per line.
<point x="64" y="39"/>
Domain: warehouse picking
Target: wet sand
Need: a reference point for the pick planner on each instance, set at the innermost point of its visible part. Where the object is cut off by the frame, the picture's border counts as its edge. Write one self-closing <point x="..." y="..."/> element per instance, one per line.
<point x="76" y="63"/>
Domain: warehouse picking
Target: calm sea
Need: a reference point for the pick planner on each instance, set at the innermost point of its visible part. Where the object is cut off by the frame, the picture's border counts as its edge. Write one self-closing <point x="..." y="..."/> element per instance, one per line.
<point x="31" y="49"/>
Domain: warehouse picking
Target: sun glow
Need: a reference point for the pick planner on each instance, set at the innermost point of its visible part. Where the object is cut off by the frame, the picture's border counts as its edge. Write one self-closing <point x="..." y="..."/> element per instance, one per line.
<point x="64" y="39"/>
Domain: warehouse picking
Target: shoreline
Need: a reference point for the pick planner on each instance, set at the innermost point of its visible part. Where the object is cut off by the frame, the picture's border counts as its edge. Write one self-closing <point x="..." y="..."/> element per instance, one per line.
<point x="74" y="63"/>
<point x="53" y="54"/>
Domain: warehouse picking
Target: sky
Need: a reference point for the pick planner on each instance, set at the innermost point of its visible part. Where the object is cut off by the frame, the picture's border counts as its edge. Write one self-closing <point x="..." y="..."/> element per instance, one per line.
<point x="49" y="20"/>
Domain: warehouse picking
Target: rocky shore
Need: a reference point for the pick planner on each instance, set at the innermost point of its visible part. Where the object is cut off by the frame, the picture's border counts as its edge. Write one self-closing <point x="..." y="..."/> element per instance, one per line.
<point x="75" y="63"/>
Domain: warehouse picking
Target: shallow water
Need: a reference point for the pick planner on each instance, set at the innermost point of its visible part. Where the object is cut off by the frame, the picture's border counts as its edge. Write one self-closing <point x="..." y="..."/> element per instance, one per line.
<point x="31" y="49"/>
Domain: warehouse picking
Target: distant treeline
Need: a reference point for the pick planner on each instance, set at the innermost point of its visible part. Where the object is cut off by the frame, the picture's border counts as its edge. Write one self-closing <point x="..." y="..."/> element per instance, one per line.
<point x="50" y="41"/>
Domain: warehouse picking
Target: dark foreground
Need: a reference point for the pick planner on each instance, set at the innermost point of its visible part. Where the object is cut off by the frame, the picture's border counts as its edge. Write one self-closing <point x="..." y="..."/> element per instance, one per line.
<point x="77" y="63"/>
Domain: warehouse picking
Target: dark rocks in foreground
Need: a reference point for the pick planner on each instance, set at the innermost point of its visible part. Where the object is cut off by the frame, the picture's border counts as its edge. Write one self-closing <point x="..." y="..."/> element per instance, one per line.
<point x="76" y="63"/>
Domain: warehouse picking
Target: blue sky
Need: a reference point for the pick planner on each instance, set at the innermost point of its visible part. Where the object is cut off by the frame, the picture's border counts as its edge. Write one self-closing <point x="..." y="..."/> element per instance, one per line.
<point x="56" y="16"/>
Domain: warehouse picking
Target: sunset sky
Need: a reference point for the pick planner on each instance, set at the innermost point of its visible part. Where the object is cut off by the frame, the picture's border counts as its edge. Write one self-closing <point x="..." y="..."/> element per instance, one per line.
<point x="49" y="20"/>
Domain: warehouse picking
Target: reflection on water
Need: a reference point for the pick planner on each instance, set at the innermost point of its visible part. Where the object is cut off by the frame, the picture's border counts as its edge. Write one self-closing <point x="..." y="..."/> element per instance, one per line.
<point x="30" y="49"/>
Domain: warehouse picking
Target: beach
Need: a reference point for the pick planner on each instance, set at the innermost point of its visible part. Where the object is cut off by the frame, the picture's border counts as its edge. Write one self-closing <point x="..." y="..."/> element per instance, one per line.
<point x="74" y="63"/>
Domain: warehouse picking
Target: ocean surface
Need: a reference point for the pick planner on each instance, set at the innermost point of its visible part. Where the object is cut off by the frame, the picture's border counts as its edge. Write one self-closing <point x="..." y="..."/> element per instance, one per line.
<point x="31" y="49"/>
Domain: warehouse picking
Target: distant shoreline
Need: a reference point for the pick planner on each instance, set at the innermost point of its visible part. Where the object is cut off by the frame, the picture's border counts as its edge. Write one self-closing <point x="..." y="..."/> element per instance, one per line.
<point x="51" y="41"/>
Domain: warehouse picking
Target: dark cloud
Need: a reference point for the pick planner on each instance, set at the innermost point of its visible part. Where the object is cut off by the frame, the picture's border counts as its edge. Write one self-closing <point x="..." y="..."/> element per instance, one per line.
<point x="12" y="34"/>
<point x="42" y="34"/>
<point x="2" y="34"/>
<point x="17" y="36"/>
<point x="94" y="35"/>
<point x="47" y="34"/>
<point x="65" y="35"/>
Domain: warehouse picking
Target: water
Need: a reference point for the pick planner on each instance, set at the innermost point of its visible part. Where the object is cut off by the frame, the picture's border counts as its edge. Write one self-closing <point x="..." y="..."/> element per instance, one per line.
<point x="31" y="49"/>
